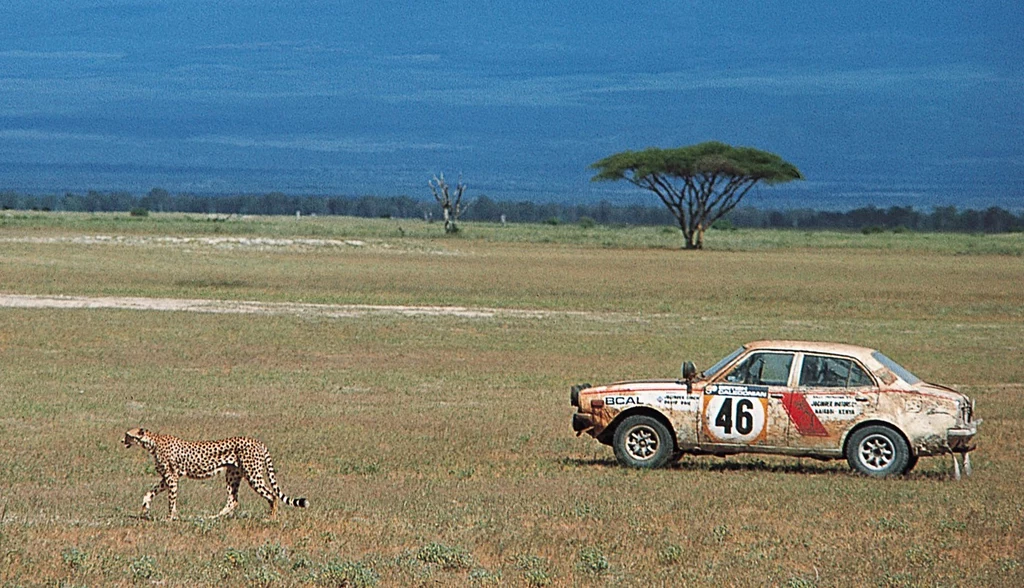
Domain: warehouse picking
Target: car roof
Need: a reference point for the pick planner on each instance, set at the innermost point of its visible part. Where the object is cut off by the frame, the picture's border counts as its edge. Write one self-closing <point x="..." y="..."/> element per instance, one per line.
<point x="857" y="351"/>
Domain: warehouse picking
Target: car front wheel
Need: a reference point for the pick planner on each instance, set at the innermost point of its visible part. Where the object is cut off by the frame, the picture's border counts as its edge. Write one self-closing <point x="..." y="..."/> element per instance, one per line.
<point x="643" y="442"/>
<point x="878" y="451"/>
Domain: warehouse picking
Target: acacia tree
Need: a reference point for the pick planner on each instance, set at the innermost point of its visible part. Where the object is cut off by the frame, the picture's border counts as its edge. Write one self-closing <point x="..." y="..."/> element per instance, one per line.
<point x="699" y="184"/>
<point x="451" y="203"/>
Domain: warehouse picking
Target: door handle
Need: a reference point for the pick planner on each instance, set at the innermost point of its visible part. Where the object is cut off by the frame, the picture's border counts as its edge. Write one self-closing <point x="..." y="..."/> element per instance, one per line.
<point x="862" y="399"/>
<point x="776" y="395"/>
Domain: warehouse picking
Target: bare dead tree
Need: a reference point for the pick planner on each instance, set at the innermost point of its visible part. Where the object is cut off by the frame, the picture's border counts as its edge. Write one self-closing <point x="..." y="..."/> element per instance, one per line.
<point x="451" y="202"/>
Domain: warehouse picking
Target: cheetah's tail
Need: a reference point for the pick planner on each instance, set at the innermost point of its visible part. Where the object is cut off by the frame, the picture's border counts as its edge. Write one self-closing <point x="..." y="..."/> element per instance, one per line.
<point x="299" y="502"/>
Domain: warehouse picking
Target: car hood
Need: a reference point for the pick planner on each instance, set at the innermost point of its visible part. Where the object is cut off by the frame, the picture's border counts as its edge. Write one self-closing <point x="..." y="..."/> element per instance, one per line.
<point x="939" y="391"/>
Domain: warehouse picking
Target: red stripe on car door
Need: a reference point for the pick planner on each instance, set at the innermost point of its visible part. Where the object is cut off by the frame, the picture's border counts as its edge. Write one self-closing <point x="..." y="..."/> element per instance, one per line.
<point x="802" y="415"/>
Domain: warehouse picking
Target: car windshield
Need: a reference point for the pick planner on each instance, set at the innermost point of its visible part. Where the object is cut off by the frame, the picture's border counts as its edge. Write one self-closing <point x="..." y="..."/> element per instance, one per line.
<point x="896" y="368"/>
<point x="722" y="363"/>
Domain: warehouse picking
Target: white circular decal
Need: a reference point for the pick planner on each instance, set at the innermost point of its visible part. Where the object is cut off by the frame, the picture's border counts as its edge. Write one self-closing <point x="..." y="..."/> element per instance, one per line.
<point x="734" y="419"/>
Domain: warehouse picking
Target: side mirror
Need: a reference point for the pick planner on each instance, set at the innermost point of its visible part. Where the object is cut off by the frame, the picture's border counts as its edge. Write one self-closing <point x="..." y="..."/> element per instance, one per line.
<point x="689" y="371"/>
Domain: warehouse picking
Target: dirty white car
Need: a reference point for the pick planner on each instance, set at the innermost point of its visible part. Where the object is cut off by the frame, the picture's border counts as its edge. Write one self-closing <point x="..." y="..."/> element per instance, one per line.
<point x="797" y="398"/>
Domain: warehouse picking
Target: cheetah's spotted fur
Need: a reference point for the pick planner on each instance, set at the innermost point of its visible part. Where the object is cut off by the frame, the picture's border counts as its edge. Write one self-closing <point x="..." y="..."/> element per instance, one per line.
<point x="237" y="457"/>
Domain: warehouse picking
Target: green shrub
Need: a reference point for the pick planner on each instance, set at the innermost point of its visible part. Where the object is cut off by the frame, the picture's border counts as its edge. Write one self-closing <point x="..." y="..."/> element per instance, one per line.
<point x="891" y="524"/>
<point x="263" y="576"/>
<point x="449" y="558"/>
<point x="534" y="569"/>
<point x="271" y="552"/>
<point x="671" y="554"/>
<point x="484" y="576"/>
<point x="144" y="568"/>
<point x="234" y="558"/>
<point x="347" y="573"/>
<point x="592" y="561"/>
<point x="536" y="577"/>
<point x="74" y="558"/>
<point x="798" y="582"/>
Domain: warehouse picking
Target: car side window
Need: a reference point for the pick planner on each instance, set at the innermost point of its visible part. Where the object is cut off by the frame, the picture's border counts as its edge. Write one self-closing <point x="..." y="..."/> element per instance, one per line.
<point x="820" y="371"/>
<point x="762" y="369"/>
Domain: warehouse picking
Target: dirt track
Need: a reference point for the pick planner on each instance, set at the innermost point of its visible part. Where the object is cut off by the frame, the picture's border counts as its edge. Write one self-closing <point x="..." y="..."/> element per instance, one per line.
<point x="285" y="308"/>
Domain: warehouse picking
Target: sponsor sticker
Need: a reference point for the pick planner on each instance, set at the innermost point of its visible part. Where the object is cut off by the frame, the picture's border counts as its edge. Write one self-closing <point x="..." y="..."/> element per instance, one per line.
<point x="737" y="390"/>
<point x="834" y="407"/>
<point x="735" y="418"/>
<point x="623" y="400"/>
<point x="678" y="401"/>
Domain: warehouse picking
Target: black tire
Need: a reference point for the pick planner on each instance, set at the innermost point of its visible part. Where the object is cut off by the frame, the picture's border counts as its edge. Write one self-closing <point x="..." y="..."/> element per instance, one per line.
<point x="643" y="442"/>
<point x="878" y="451"/>
<point x="911" y="463"/>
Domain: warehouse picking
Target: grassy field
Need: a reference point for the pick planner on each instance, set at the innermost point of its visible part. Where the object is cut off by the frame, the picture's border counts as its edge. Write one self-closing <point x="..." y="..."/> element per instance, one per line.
<point x="436" y="449"/>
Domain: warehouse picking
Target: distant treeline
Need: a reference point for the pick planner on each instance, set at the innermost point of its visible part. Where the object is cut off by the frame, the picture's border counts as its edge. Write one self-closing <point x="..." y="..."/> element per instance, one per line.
<point x="870" y="218"/>
<point x="483" y="208"/>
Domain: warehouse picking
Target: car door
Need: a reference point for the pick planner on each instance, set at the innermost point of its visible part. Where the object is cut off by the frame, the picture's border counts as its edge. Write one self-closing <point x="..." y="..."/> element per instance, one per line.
<point x="744" y="406"/>
<point x="832" y="394"/>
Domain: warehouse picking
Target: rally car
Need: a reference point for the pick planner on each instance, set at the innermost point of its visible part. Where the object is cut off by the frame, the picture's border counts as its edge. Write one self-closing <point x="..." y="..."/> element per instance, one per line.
<point x="797" y="398"/>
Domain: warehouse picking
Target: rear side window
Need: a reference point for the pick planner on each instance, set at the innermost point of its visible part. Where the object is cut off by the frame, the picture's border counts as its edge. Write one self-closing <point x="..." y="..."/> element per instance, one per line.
<point x="820" y="371"/>
<point x="762" y="369"/>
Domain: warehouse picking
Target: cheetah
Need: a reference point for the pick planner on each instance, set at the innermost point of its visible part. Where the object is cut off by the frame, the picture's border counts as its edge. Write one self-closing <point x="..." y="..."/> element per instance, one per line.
<point x="237" y="457"/>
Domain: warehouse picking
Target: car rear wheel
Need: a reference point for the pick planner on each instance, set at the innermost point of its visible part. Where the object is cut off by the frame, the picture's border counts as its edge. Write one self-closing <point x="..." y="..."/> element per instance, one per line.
<point x="878" y="451"/>
<point x="643" y="442"/>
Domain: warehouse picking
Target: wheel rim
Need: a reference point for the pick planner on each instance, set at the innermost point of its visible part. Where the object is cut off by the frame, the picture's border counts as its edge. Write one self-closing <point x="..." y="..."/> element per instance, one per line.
<point x="642" y="443"/>
<point x="877" y="452"/>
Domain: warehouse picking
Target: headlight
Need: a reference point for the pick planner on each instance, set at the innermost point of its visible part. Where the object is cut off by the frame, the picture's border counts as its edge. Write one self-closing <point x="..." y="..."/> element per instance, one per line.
<point x="965" y="411"/>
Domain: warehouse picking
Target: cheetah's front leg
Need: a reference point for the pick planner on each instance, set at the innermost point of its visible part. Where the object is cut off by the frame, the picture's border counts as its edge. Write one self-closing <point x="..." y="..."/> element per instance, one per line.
<point x="147" y="500"/>
<point x="172" y="497"/>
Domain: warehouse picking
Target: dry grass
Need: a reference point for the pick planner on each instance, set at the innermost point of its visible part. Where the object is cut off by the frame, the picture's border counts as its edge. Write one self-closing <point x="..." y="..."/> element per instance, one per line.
<point x="437" y="449"/>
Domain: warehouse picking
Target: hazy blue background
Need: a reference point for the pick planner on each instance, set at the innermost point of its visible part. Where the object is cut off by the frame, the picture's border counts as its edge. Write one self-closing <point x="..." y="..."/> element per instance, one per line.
<point x="884" y="103"/>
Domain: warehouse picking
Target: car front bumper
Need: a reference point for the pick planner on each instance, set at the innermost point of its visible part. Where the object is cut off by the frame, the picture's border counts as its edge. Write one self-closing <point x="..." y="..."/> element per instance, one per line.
<point x="960" y="439"/>
<point x="582" y="422"/>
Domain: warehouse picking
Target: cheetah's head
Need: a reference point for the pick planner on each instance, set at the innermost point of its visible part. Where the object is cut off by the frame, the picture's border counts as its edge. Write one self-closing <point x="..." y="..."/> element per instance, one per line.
<point x="134" y="436"/>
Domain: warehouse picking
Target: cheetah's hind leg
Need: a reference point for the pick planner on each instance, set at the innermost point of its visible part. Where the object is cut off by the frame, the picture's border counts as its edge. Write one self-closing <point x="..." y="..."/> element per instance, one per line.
<point x="233" y="476"/>
<point x="259" y="484"/>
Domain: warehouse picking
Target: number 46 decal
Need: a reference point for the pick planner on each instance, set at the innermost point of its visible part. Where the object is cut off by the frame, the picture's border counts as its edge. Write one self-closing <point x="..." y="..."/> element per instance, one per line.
<point x="734" y="419"/>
